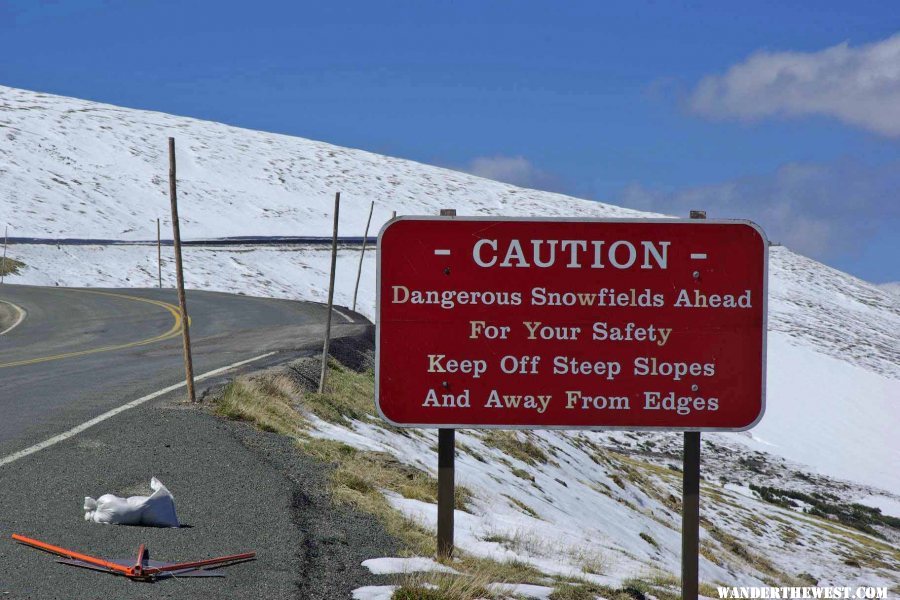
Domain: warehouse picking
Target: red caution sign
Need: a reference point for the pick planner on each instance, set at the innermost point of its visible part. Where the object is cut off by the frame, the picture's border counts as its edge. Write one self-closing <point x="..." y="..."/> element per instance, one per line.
<point x="645" y="324"/>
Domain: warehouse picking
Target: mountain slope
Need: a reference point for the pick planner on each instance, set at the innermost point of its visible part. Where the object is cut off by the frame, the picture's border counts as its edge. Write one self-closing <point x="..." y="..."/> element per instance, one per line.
<point x="71" y="168"/>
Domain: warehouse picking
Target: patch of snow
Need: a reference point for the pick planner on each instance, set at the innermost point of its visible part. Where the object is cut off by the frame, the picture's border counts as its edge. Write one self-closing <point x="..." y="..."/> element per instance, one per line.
<point x="891" y="287"/>
<point x="835" y="416"/>
<point x="414" y="564"/>
<point x="375" y="592"/>
<point x="521" y="590"/>
<point x="889" y="505"/>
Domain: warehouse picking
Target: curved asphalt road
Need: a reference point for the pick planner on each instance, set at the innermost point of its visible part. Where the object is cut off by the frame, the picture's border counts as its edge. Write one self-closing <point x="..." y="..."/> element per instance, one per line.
<point x="82" y="352"/>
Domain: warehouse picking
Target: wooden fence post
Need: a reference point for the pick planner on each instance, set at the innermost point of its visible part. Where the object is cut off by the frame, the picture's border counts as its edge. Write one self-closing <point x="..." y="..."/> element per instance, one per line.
<point x="3" y="263"/>
<point x="362" y="254"/>
<point x="158" y="254"/>
<point x="334" y="240"/>
<point x="179" y="275"/>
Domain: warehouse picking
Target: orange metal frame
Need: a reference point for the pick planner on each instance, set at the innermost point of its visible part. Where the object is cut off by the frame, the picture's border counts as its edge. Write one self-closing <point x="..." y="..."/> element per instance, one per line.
<point x="140" y="569"/>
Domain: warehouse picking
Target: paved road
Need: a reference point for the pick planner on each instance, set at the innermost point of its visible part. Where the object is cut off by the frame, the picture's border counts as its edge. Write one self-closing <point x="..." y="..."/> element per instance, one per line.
<point x="81" y="353"/>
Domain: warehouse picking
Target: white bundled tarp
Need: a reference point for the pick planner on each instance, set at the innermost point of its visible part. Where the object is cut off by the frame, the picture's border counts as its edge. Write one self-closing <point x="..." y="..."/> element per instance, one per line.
<point x="155" y="510"/>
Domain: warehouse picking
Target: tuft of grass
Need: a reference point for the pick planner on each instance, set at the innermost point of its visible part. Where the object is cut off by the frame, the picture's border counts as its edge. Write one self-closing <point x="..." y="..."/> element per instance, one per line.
<point x="632" y="589"/>
<point x="523" y="507"/>
<point x="266" y="405"/>
<point x="512" y="444"/>
<point x="510" y="571"/>
<point x="590" y="561"/>
<point x="736" y="548"/>
<point x="575" y="591"/>
<point x="649" y="539"/>
<point x="442" y="586"/>
<point x="10" y="266"/>
<point x="462" y="447"/>
<point x="348" y="396"/>
<point x="523" y="474"/>
<point x="479" y="578"/>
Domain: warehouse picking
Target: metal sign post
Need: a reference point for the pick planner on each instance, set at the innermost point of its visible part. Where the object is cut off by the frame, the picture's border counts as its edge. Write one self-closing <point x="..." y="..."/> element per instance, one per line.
<point x="690" y="516"/>
<point x="690" y="504"/>
<point x="446" y="476"/>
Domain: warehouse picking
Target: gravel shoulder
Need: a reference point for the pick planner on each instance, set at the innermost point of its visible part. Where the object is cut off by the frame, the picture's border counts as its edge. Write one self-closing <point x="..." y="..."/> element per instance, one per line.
<point x="236" y="488"/>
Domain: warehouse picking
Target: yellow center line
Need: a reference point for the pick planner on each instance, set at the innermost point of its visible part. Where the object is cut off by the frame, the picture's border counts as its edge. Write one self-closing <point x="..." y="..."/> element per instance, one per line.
<point x="172" y="332"/>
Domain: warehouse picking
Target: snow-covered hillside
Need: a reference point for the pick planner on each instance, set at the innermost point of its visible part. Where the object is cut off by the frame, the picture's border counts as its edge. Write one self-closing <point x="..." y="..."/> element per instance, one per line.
<point x="70" y="168"/>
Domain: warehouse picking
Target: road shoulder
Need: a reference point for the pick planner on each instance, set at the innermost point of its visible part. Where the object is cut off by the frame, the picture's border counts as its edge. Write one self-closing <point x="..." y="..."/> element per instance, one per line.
<point x="236" y="488"/>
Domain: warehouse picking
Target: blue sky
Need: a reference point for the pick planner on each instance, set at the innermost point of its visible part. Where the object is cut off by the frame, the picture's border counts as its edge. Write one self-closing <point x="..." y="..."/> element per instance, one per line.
<point x="746" y="109"/>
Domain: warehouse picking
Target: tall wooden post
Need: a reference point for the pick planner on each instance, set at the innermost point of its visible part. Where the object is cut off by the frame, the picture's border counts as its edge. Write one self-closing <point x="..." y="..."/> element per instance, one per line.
<point x="446" y="476"/>
<point x="334" y="240"/>
<point x="179" y="275"/>
<point x="362" y="254"/>
<point x="690" y="505"/>
<point x="3" y="263"/>
<point x="158" y="254"/>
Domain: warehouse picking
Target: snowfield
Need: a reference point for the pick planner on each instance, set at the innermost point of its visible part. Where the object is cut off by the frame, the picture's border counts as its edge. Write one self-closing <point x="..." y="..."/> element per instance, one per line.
<point x="71" y="168"/>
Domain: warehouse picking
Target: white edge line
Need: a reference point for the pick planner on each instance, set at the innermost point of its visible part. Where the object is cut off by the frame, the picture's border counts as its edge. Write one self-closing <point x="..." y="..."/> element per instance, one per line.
<point x="107" y="415"/>
<point x="18" y="322"/>
<point x="342" y="313"/>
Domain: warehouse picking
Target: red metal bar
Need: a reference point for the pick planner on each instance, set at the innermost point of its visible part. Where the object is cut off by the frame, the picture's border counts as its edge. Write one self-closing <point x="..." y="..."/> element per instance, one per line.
<point x="198" y="564"/>
<point x="71" y="554"/>
<point x="138" y="570"/>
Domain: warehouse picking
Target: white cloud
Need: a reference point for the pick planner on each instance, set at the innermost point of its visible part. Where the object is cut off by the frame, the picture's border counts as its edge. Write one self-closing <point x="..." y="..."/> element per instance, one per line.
<point x="516" y="170"/>
<point x="858" y="85"/>
<point x="822" y="210"/>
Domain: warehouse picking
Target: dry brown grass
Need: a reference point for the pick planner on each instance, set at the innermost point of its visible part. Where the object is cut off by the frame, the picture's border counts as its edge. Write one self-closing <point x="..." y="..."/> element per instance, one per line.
<point x="478" y="578"/>
<point x="263" y="403"/>
<point x="275" y="402"/>
<point x="10" y="266"/>
<point x="516" y="445"/>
